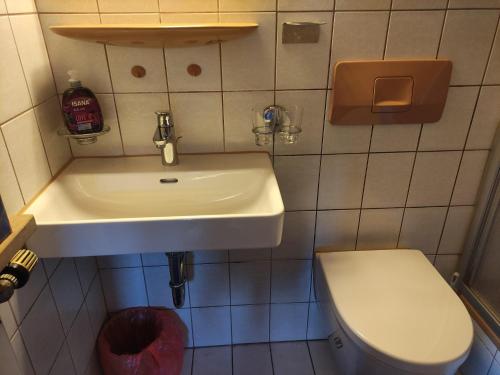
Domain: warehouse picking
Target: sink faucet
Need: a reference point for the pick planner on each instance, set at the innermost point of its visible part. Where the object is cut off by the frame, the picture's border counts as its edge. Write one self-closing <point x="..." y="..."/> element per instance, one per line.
<point x="165" y="139"/>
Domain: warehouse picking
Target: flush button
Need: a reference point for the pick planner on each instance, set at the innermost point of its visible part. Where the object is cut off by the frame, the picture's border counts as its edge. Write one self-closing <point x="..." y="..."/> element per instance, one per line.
<point x="392" y="94"/>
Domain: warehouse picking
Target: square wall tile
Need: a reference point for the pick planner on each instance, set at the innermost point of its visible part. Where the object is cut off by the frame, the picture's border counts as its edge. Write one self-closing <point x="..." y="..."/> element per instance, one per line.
<point x="358" y="35"/>
<point x="129" y="6"/>
<point x="450" y="132"/>
<point x="337" y="229"/>
<point x="317" y="326"/>
<point x="248" y="62"/>
<point x="249" y="255"/>
<point x="109" y="144"/>
<point x="298" y="236"/>
<point x="469" y="177"/>
<point x="250" y="282"/>
<point x="303" y="65"/>
<point x="158" y="288"/>
<point x="24" y="298"/>
<point x="32" y="168"/>
<point x="321" y="355"/>
<point x="175" y="6"/>
<point x="433" y="178"/>
<point x="312" y="103"/>
<point x="252" y="359"/>
<point x="238" y="119"/>
<point x="81" y="341"/>
<point x="212" y="256"/>
<point x="250" y="324"/>
<point x="246" y="6"/>
<point x="379" y="228"/>
<point x="362" y="4"/>
<point x="211" y="326"/>
<point x="34" y="57"/>
<point x="486" y="119"/>
<point x="212" y="361"/>
<point x="123" y="288"/>
<point x="209" y="284"/>
<point x="199" y="121"/>
<point x="65" y="54"/>
<point x="298" y="180"/>
<point x="341" y="181"/>
<point x="467" y="38"/>
<point x="291" y="358"/>
<point x="119" y="261"/>
<point x="493" y="70"/>
<point x="474" y="4"/>
<point x="49" y="118"/>
<point x="456" y="230"/>
<point x="414" y="35"/>
<point x="136" y="113"/>
<point x="3" y="8"/>
<point x="67" y="6"/>
<point x="422" y="228"/>
<point x="179" y="59"/>
<point x="419" y="4"/>
<point x="447" y="265"/>
<point x="290" y="281"/>
<point x="9" y="187"/>
<point x="298" y="5"/>
<point x="185" y="316"/>
<point x="387" y="180"/>
<point x="154" y="259"/>
<point x="345" y="139"/>
<point x="14" y="94"/>
<point x="42" y="332"/>
<point x="395" y="137"/>
<point x="20" y="6"/>
<point x="289" y="322"/>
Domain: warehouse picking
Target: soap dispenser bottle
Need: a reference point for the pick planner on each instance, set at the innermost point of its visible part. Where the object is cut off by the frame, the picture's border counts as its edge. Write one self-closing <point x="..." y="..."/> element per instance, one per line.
<point x="82" y="112"/>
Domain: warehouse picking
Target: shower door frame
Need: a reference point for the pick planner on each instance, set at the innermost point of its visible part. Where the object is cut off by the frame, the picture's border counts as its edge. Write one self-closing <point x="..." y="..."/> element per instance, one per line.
<point x="487" y="205"/>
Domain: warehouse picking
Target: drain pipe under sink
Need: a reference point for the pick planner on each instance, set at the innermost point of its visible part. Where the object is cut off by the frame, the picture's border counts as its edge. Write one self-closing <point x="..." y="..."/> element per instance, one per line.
<point x="176" y="265"/>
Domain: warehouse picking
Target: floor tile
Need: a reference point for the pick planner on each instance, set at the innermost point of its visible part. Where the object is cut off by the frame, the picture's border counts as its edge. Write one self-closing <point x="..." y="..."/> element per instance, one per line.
<point x="322" y="357"/>
<point x="252" y="359"/>
<point x="212" y="361"/>
<point x="291" y="358"/>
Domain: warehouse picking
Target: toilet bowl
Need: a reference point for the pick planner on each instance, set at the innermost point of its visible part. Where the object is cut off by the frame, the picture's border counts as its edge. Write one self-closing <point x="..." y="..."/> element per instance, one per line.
<point x="390" y="312"/>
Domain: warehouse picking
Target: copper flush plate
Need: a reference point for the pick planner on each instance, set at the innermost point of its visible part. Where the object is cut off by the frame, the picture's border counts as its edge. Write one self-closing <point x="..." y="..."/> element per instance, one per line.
<point x="389" y="91"/>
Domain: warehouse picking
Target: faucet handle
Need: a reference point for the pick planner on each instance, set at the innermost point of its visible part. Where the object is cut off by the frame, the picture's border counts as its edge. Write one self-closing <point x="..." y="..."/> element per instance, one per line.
<point x="164" y="119"/>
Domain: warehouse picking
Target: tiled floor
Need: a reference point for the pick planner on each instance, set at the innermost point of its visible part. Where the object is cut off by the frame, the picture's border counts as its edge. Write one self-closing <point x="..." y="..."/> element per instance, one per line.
<point x="282" y="358"/>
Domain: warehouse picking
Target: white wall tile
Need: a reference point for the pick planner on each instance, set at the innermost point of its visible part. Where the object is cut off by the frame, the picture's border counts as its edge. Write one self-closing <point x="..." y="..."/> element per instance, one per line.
<point x="450" y="132"/>
<point x="416" y="222"/>
<point x="208" y="361"/>
<point x="96" y="306"/>
<point x="67" y="292"/>
<point x="64" y="363"/>
<point x="250" y="282"/>
<point x="414" y="35"/>
<point x="129" y="6"/>
<point x="469" y="177"/>
<point x="362" y="4"/>
<point x="456" y="229"/>
<point x="3" y="8"/>
<point x="474" y="4"/>
<point x="346" y="138"/>
<point x="185" y="316"/>
<point x="24" y="298"/>
<point x="119" y="261"/>
<point x="20" y="6"/>
<point x="250" y="323"/>
<point x="303" y="65"/>
<point x="211" y="326"/>
<point x="493" y="70"/>
<point x="317" y="326"/>
<point x="34" y="58"/>
<point x="109" y="144"/>
<point x="433" y="178"/>
<point x="22" y="356"/>
<point x="486" y="119"/>
<point x="82" y="6"/>
<point x="387" y="180"/>
<point x="14" y="94"/>
<point x="288" y="322"/>
<point x="81" y="341"/>
<point x="249" y="255"/>
<point x="312" y="102"/>
<point x="290" y="281"/>
<point x="298" y="5"/>
<point x="246" y="6"/>
<point x="154" y="259"/>
<point x="298" y="180"/>
<point x="341" y="181"/>
<point x="298" y="236"/>
<point x="199" y="121"/>
<point x="446" y="266"/>
<point x="337" y="229"/>
<point x="209" y="285"/>
<point x="42" y="332"/>
<point x="252" y="359"/>
<point x="9" y="188"/>
<point x="238" y="115"/>
<point x="136" y="113"/>
<point x="87" y="269"/>
<point x="157" y="286"/>
<point x="49" y="118"/>
<point x="419" y="4"/>
<point x="123" y="288"/>
<point x="379" y="228"/>
<point x="203" y="256"/>
<point x="248" y="63"/>
<point x="395" y="137"/>
<point x="174" y="6"/>
<point x="32" y="168"/>
<point x="466" y="40"/>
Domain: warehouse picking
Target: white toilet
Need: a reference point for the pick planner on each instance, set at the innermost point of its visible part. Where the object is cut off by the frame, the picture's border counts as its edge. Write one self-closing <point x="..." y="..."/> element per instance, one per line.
<point x="391" y="313"/>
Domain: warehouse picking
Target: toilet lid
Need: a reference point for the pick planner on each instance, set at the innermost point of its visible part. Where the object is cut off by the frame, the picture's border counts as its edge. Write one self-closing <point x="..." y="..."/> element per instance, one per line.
<point x="395" y="305"/>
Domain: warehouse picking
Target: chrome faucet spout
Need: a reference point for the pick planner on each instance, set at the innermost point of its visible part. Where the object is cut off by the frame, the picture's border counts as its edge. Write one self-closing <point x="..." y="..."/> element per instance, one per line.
<point x="165" y="139"/>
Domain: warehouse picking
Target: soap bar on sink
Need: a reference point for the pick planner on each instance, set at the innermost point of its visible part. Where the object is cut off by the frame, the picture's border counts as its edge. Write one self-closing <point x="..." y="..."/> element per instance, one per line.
<point x="4" y="223"/>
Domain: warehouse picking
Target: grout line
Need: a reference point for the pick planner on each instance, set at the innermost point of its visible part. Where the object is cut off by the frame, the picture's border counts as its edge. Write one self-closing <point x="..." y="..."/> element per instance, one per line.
<point x="310" y="357"/>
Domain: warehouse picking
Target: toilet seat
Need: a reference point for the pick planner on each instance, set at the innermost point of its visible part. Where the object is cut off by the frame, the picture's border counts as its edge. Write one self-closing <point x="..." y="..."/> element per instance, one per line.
<point x="395" y="306"/>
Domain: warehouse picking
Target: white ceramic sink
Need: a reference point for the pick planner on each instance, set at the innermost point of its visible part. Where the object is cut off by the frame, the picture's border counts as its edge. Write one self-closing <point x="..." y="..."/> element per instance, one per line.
<point x="103" y="206"/>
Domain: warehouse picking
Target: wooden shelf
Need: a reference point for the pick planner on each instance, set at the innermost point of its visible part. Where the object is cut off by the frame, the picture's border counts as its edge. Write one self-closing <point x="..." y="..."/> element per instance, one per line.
<point x="23" y="226"/>
<point x="159" y="35"/>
